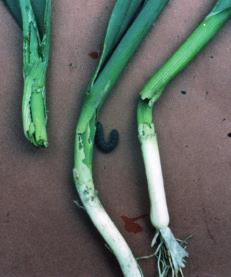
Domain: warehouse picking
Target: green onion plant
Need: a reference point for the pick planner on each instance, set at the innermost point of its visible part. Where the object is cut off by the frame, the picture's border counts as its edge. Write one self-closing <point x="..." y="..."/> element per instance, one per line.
<point x="129" y="23"/>
<point x="170" y="252"/>
<point x="35" y="19"/>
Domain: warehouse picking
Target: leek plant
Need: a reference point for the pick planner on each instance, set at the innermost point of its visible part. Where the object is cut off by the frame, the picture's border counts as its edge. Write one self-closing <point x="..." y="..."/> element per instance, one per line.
<point x="35" y="19"/>
<point x="129" y="23"/>
<point x="170" y="253"/>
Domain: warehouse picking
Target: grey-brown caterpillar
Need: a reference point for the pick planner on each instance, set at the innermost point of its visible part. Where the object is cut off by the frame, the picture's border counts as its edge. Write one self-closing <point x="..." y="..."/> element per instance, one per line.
<point x="100" y="142"/>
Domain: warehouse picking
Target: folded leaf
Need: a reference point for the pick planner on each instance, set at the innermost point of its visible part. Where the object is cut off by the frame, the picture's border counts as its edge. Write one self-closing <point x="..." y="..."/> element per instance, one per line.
<point x="220" y="6"/>
<point x="122" y="15"/>
<point x="114" y="66"/>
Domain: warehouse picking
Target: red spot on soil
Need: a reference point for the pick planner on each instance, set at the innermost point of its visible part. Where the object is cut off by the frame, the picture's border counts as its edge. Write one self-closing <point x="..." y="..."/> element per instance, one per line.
<point x="130" y="224"/>
<point x="94" y="55"/>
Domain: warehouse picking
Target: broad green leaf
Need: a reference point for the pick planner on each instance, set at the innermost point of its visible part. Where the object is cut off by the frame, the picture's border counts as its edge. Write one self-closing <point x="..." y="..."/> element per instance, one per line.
<point x="220" y="6"/>
<point x="38" y="9"/>
<point x="123" y="52"/>
<point x="13" y="6"/>
<point x="123" y="13"/>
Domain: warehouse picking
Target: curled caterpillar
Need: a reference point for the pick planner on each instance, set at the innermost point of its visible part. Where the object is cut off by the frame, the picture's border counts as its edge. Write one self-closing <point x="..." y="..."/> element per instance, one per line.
<point x="101" y="144"/>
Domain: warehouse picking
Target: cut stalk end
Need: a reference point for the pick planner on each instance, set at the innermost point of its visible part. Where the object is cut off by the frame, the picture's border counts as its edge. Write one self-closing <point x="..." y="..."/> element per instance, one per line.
<point x="35" y="63"/>
<point x="38" y="139"/>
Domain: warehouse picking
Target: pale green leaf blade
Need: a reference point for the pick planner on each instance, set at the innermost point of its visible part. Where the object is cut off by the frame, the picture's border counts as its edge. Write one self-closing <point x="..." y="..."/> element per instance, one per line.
<point x="122" y="15"/>
<point x="220" y="6"/>
<point x="13" y="7"/>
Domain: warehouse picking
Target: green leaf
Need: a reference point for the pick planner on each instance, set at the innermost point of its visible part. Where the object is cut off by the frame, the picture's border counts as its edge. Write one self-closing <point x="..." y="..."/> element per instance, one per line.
<point x="13" y="6"/>
<point x="38" y="9"/>
<point x="122" y="15"/>
<point x="221" y="6"/>
<point x="117" y="61"/>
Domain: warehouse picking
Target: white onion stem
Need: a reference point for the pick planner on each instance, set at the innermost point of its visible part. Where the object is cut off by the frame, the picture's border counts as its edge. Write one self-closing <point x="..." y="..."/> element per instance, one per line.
<point x="159" y="211"/>
<point x="114" y="240"/>
<point x="171" y="255"/>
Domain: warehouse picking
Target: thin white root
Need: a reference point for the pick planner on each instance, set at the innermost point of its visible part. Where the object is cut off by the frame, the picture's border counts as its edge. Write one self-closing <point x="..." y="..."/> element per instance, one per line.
<point x="108" y="248"/>
<point x="145" y="257"/>
<point x="79" y="205"/>
<point x="155" y="239"/>
<point x="170" y="253"/>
